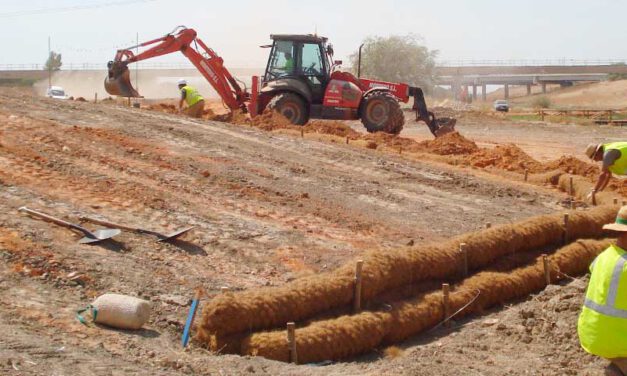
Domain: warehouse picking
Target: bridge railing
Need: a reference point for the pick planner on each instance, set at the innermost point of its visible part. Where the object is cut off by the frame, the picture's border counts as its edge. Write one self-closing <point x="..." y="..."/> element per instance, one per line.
<point x="440" y="63"/>
<point x="95" y="66"/>
<point x="528" y="62"/>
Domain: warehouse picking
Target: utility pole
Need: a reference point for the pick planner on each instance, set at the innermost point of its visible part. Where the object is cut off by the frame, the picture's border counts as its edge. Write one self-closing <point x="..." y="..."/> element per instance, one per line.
<point x="137" y="64"/>
<point x="49" y="66"/>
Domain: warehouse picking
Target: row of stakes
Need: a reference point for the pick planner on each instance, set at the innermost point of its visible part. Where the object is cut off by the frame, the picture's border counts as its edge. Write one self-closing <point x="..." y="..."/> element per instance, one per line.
<point x="128" y="101"/>
<point x="446" y="288"/>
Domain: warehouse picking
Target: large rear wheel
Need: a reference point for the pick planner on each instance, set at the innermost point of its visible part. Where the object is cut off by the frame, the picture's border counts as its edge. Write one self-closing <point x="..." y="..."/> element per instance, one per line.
<point x="381" y="112"/>
<point x="291" y="106"/>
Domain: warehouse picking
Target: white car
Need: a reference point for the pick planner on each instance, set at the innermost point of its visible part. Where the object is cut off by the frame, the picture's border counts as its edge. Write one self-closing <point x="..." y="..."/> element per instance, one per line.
<point x="501" y="105"/>
<point x="56" y="92"/>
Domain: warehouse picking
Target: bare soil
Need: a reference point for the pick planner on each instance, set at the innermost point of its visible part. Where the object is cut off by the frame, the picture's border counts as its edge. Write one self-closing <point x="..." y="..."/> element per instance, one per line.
<point x="268" y="207"/>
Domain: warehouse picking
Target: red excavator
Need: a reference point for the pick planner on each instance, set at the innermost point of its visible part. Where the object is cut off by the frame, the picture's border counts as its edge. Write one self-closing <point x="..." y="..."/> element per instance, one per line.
<point x="299" y="82"/>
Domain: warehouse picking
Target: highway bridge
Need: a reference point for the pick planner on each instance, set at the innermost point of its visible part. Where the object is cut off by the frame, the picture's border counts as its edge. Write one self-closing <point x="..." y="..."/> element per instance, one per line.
<point x="468" y="77"/>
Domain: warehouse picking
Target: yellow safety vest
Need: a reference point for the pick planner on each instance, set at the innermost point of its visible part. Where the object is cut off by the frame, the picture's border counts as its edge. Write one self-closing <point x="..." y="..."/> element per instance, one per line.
<point x="191" y="95"/>
<point x="602" y="325"/>
<point x="289" y="65"/>
<point x="620" y="165"/>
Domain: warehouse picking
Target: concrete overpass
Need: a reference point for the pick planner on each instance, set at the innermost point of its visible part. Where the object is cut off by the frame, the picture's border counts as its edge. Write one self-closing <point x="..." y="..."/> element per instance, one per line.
<point x="461" y="76"/>
<point x="467" y="78"/>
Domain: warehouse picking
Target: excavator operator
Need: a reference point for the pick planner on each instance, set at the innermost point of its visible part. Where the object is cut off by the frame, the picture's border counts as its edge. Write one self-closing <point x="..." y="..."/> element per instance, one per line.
<point x="195" y="102"/>
<point x="289" y="63"/>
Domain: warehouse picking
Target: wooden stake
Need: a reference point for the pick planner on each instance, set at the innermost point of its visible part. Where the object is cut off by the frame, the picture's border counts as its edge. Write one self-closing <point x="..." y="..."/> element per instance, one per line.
<point x="95" y="97"/>
<point x="291" y="342"/>
<point x="129" y="101"/>
<point x="224" y="289"/>
<point x="526" y="175"/>
<point x="615" y="201"/>
<point x="566" y="220"/>
<point x="347" y="140"/>
<point x="571" y="191"/>
<point x="446" y="302"/>
<point x="400" y="150"/>
<point x="547" y="270"/>
<point x="302" y="133"/>
<point x="357" y="296"/>
<point x="464" y="252"/>
<point x="488" y="225"/>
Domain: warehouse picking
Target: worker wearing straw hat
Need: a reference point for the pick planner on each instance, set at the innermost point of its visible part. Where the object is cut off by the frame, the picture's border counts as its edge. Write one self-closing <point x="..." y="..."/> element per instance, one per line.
<point x="614" y="157"/>
<point x="602" y="325"/>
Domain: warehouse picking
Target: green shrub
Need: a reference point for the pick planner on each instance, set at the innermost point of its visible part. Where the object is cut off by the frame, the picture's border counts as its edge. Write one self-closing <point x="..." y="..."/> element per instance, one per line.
<point x="21" y="82"/>
<point x="541" y="102"/>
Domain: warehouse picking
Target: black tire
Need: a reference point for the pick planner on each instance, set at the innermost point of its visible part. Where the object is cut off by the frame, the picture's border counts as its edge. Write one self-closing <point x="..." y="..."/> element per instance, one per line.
<point x="381" y="112"/>
<point x="291" y="106"/>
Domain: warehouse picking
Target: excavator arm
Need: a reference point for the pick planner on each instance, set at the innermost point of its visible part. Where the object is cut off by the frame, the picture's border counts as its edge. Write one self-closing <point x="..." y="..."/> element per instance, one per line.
<point x="185" y="40"/>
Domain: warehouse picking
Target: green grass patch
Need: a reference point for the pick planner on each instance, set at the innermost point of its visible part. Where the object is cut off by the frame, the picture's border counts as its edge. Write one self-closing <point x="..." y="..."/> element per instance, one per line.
<point x="21" y="82"/>
<point x="524" y="117"/>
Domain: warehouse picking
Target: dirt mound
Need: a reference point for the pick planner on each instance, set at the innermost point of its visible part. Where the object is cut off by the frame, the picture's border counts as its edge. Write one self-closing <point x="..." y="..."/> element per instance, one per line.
<point x="508" y="157"/>
<point x="163" y="107"/>
<point x="270" y="120"/>
<point x="572" y="165"/>
<point x="335" y="128"/>
<point x="170" y="108"/>
<point x="449" y="144"/>
<point x="80" y="99"/>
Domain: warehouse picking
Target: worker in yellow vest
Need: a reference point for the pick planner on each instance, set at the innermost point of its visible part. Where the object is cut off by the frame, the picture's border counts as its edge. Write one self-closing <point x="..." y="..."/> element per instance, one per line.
<point x="614" y="157"/>
<point x="195" y="102"/>
<point x="602" y="325"/>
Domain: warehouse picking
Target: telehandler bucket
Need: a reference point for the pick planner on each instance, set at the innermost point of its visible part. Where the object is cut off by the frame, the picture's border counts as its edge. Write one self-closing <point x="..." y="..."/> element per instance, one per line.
<point x="118" y="80"/>
<point x="445" y="125"/>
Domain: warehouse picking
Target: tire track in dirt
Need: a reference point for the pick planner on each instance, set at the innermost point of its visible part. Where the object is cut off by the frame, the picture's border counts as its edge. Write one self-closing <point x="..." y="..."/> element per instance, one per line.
<point x="298" y="189"/>
<point x="310" y="151"/>
<point x="125" y="184"/>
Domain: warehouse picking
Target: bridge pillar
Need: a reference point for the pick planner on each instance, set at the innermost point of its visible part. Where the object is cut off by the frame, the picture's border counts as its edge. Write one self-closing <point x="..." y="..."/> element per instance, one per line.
<point x="484" y="93"/>
<point x="474" y="93"/>
<point x="528" y="89"/>
<point x="506" y="91"/>
<point x="543" y="88"/>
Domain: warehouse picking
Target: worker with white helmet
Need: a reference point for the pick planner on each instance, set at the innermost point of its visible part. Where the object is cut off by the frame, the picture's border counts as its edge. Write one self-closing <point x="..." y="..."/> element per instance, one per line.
<point x="614" y="157"/>
<point x="189" y="95"/>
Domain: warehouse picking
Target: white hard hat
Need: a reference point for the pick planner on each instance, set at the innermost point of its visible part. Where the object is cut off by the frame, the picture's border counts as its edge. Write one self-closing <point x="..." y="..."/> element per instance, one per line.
<point x="182" y="81"/>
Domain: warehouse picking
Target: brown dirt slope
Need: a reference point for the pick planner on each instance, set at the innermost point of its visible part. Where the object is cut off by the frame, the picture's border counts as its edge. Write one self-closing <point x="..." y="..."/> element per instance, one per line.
<point x="268" y="208"/>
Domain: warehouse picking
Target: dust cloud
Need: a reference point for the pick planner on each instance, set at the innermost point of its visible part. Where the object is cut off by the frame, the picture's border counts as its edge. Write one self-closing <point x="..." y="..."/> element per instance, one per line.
<point x="151" y="83"/>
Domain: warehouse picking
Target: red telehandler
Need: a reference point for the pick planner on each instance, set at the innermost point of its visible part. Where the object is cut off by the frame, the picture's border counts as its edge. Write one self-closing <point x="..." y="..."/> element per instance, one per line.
<point x="299" y="83"/>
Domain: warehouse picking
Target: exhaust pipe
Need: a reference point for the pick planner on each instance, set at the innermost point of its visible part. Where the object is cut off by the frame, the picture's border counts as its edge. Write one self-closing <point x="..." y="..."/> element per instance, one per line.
<point x="118" y="80"/>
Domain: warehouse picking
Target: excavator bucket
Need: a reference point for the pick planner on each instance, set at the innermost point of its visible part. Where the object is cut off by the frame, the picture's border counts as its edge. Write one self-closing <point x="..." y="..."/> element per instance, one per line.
<point x="118" y="80"/>
<point x="445" y="125"/>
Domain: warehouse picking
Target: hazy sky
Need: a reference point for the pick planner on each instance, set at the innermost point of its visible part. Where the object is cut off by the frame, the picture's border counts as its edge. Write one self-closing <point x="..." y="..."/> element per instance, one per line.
<point x="477" y="29"/>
